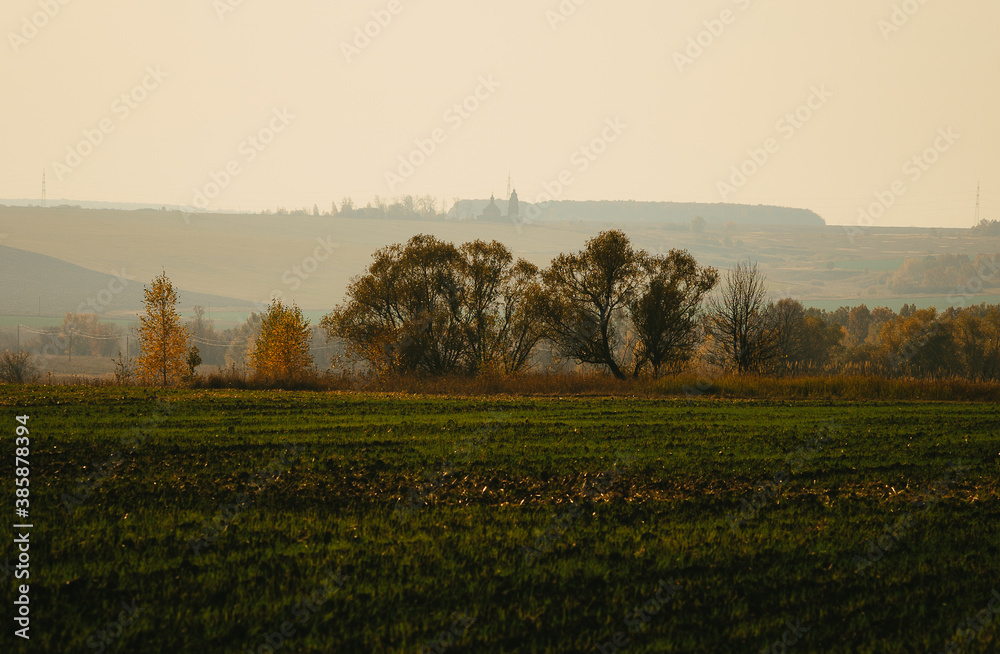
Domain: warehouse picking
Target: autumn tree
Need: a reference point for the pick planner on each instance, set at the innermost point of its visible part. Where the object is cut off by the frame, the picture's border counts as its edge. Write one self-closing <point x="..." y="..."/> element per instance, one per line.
<point x="621" y="308"/>
<point x="163" y="341"/>
<point x="282" y="347"/>
<point x="975" y="332"/>
<point x="430" y="307"/>
<point x="919" y="343"/>
<point x="242" y="341"/>
<point x="584" y="296"/>
<point x="665" y="309"/>
<point x="75" y="332"/>
<point x="499" y="309"/>
<point x="743" y="332"/>
<point x="803" y="342"/>
<point x="402" y="314"/>
<point x="859" y="322"/>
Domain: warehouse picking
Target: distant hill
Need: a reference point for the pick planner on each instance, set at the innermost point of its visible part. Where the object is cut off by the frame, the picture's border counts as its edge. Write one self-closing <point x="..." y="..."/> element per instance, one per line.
<point x="87" y="204"/>
<point x="31" y="281"/>
<point x="680" y="213"/>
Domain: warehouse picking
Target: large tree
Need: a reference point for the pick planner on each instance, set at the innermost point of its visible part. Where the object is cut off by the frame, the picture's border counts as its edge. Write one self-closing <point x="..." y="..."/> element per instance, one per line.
<point x="499" y="307"/>
<point x="665" y="309"/>
<point x="433" y="308"/>
<point x="282" y="347"/>
<point x="804" y="343"/>
<point x="584" y="296"/>
<point x="742" y="329"/>
<point x="617" y="307"/>
<point x="163" y="341"/>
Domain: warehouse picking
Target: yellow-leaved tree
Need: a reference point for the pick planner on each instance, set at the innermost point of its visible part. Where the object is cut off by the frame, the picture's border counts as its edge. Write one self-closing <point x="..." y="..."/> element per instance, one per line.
<point x="163" y="341"/>
<point x="282" y="348"/>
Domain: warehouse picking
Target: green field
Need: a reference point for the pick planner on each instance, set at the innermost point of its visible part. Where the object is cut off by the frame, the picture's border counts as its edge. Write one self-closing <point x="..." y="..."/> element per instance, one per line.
<point x="365" y="523"/>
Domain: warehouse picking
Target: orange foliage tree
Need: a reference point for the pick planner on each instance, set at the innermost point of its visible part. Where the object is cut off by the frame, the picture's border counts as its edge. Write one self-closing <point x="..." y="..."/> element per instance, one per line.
<point x="163" y="341"/>
<point x="282" y="348"/>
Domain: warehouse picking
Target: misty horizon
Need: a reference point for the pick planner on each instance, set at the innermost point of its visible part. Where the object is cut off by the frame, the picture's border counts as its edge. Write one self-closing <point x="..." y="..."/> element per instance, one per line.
<point x="302" y="106"/>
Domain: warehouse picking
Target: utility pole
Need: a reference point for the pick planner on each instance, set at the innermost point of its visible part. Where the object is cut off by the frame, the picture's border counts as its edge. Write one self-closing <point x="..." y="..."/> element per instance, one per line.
<point x="18" y="338"/>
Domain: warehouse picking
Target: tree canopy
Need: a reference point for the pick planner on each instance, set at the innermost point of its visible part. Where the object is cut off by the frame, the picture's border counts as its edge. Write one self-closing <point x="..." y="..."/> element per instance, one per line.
<point x="163" y="341"/>
<point x="431" y="307"/>
<point x="281" y="351"/>
<point x="621" y="308"/>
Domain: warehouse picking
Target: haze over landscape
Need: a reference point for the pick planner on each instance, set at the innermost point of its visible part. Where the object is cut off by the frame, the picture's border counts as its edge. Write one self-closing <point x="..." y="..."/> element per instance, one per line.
<point x="550" y="78"/>
<point x="559" y="326"/>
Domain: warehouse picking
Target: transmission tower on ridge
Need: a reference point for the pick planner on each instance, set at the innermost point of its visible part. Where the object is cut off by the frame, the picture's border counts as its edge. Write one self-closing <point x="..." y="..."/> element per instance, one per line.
<point x="977" y="202"/>
<point x="43" y="187"/>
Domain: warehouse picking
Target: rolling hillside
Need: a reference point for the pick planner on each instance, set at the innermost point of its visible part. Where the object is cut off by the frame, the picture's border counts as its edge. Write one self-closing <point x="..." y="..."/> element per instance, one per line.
<point x="311" y="259"/>
<point x="35" y="284"/>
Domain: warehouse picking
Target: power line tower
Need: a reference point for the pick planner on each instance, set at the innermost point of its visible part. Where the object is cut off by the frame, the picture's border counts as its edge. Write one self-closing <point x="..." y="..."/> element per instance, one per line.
<point x="977" y="202"/>
<point x="508" y="185"/>
<point x="43" y="187"/>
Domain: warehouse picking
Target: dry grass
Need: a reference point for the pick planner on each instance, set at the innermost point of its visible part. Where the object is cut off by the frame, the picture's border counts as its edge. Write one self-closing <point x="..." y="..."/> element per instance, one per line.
<point x="856" y="388"/>
<point x="841" y="387"/>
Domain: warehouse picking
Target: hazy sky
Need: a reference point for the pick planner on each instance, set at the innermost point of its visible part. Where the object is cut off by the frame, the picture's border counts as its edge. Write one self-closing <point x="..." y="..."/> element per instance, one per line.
<point x="330" y="114"/>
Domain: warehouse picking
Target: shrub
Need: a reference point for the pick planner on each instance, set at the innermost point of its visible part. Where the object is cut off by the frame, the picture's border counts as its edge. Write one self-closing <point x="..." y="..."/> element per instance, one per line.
<point x="17" y="368"/>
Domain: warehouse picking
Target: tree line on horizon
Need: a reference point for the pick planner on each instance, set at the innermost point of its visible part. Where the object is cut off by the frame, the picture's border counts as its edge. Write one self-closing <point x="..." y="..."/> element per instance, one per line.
<point x="429" y="307"/>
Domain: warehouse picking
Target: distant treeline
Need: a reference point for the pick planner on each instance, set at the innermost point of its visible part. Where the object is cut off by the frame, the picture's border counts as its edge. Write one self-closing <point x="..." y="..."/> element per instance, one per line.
<point x="678" y="213"/>
<point x="946" y="273"/>
<point x="429" y="307"/>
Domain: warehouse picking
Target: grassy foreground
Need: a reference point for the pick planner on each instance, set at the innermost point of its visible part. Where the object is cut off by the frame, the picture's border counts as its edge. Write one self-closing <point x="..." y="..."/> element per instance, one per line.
<point x="242" y="521"/>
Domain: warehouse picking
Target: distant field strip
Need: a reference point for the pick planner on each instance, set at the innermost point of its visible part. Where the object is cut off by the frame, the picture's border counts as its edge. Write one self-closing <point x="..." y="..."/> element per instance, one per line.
<point x="390" y="523"/>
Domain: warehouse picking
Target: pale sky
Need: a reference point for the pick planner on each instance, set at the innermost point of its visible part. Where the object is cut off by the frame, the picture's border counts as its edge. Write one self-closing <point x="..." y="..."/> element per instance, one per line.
<point x="546" y="88"/>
